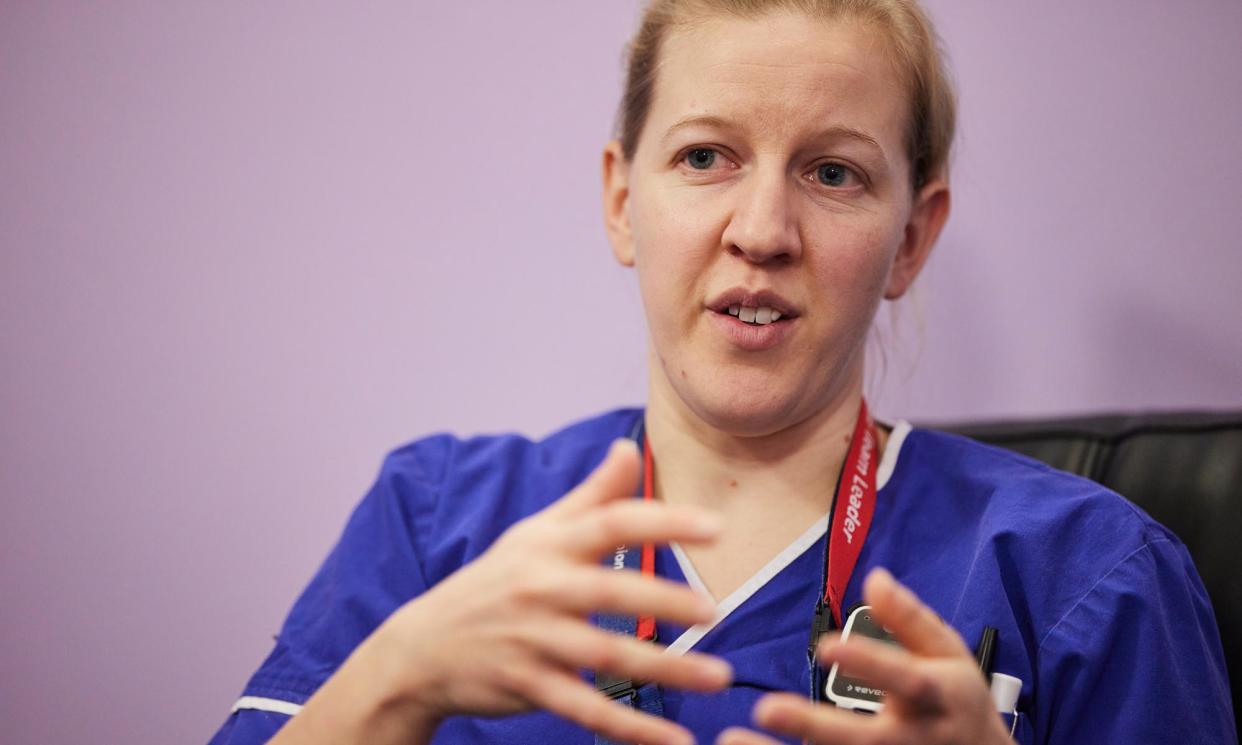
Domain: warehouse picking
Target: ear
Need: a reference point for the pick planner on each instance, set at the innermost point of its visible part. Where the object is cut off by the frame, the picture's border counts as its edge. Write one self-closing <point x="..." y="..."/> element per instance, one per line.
<point x="617" y="202"/>
<point x="927" y="218"/>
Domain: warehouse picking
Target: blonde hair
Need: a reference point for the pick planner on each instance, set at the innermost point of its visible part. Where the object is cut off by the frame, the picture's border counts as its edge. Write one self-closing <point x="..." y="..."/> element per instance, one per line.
<point x="913" y="43"/>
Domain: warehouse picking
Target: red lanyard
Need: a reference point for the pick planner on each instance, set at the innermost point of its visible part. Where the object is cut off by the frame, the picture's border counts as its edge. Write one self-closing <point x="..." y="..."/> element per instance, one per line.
<point x="853" y="507"/>
<point x="647" y="624"/>
<point x="852" y="510"/>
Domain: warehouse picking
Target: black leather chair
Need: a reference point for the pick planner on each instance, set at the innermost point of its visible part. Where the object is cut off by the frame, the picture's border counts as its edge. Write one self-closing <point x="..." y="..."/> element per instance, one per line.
<point x="1184" y="469"/>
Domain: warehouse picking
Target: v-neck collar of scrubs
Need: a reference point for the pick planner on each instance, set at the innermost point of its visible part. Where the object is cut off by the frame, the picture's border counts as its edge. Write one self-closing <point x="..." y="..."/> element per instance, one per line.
<point x="765" y="574"/>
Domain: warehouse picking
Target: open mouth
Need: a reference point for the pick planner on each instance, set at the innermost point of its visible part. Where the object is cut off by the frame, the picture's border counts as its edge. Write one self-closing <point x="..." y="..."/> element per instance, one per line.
<point x="760" y="316"/>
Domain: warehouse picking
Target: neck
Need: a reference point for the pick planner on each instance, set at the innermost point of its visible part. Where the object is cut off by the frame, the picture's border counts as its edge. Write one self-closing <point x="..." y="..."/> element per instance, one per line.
<point x="792" y="469"/>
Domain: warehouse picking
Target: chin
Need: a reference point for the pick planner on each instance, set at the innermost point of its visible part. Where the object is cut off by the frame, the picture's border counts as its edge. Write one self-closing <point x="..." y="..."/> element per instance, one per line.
<point x="744" y="411"/>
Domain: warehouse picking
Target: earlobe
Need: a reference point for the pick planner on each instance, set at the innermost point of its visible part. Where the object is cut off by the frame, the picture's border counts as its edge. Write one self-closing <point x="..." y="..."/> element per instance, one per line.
<point x="616" y="172"/>
<point x="927" y="218"/>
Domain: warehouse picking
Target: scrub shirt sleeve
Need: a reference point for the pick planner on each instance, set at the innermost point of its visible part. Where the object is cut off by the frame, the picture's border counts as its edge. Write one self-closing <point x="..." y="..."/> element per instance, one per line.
<point x="375" y="568"/>
<point x="1137" y="659"/>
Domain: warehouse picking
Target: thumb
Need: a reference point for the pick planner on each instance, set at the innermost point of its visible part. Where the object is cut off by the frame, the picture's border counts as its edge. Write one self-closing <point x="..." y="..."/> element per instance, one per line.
<point x="615" y="478"/>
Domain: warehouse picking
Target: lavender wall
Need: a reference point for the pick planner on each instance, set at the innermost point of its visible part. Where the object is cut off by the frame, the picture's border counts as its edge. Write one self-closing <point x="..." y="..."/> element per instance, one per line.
<point x="246" y="248"/>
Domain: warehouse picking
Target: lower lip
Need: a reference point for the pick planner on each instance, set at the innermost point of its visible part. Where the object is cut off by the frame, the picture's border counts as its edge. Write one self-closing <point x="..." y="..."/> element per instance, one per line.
<point x="751" y="337"/>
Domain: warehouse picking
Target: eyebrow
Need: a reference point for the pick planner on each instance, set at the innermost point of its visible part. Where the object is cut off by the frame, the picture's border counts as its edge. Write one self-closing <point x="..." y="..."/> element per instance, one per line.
<point x="719" y="123"/>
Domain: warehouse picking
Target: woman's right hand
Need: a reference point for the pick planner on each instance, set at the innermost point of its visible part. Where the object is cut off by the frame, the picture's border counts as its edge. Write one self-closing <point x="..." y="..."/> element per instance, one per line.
<point x="509" y="631"/>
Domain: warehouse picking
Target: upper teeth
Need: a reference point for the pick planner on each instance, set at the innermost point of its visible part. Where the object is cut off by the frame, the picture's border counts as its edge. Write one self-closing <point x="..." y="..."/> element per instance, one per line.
<point x="760" y="316"/>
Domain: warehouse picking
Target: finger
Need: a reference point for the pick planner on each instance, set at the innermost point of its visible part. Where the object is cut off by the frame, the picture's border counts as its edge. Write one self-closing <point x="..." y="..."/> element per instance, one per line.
<point x="739" y="736"/>
<point x="577" y="645"/>
<point x="885" y="666"/>
<point x="585" y="590"/>
<point x="916" y="626"/>
<point x="792" y="715"/>
<point x="634" y="522"/>
<point x="569" y="697"/>
<point x="615" y="478"/>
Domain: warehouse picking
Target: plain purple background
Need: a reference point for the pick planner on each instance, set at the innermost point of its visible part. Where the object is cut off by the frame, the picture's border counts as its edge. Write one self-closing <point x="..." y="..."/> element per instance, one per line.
<point x="249" y="247"/>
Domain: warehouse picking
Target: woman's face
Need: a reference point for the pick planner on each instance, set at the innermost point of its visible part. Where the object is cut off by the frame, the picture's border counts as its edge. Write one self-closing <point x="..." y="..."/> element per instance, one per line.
<point x="767" y="209"/>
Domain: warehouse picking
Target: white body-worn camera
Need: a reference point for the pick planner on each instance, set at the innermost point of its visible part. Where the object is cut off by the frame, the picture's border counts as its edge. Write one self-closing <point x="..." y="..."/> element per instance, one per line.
<point x="852" y="693"/>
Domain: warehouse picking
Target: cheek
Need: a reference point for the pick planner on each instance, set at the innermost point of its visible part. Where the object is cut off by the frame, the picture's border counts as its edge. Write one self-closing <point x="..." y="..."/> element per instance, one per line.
<point x="673" y="242"/>
<point x="855" y="267"/>
<point x="668" y="227"/>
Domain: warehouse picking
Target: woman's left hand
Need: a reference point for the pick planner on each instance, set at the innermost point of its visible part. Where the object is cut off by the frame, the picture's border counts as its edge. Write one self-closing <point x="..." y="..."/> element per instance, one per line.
<point x="934" y="690"/>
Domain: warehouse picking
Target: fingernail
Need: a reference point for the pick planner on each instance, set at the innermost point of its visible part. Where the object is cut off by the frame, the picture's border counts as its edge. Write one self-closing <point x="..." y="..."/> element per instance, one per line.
<point x="707" y="524"/>
<point x="707" y="608"/>
<point x="731" y="735"/>
<point x="680" y="738"/>
<point x="879" y="579"/>
<point x="623" y="443"/>
<point x="827" y="644"/>
<point x="716" y="671"/>
<point x="762" y="713"/>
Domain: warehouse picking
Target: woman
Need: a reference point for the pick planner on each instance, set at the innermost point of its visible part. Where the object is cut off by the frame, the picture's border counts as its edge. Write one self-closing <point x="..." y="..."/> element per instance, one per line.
<point x="781" y="168"/>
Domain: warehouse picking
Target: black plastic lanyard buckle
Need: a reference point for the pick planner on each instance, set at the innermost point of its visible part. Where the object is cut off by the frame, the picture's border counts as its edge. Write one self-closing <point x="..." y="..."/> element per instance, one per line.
<point x="821" y="624"/>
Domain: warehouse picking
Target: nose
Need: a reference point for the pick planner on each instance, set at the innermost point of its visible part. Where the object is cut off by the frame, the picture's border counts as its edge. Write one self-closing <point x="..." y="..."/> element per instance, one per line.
<point x="763" y="226"/>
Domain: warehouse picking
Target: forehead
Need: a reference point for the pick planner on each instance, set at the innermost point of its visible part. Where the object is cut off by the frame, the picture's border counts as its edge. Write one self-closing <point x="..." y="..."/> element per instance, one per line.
<point x="781" y="74"/>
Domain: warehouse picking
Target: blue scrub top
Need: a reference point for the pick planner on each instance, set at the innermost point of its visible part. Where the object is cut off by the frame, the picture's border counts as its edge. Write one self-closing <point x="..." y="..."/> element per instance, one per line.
<point x="1099" y="609"/>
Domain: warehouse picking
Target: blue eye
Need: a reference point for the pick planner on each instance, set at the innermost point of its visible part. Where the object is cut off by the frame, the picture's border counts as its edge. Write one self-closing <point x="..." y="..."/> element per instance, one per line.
<point x="701" y="158"/>
<point x="833" y="174"/>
